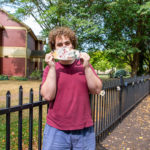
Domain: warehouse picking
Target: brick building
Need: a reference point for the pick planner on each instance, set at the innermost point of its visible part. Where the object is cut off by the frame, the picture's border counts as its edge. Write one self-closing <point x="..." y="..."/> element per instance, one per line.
<point x="21" y="52"/>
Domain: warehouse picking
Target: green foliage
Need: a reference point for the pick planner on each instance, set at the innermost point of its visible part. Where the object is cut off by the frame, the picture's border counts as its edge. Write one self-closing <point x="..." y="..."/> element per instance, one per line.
<point x="144" y="9"/>
<point x="99" y="61"/>
<point x="75" y="14"/>
<point x="121" y="27"/>
<point x="36" y="75"/>
<point x="18" y="78"/>
<point x="3" y="77"/>
<point x="120" y="73"/>
<point x="127" y="31"/>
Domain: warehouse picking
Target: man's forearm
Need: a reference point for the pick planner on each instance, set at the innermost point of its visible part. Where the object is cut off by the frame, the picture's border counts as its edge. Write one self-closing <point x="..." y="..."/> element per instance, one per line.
<point x="48" y="90"/>
<point x="94" y="84"/>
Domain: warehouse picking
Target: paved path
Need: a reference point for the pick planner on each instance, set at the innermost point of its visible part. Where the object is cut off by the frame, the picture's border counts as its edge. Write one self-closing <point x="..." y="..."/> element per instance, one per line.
<point x="133" y="133"/>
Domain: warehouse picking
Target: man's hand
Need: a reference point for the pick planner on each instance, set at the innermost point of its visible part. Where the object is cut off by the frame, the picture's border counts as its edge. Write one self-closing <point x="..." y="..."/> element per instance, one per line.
<point x="84" y="58"/>
<point x="93" y="82"/>
<point x="49" y="59"/>
<point x="48" y="90"/>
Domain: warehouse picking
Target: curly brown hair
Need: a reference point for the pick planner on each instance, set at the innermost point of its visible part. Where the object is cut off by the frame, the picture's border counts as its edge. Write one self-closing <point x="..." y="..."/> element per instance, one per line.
<point x="59" y="31"/>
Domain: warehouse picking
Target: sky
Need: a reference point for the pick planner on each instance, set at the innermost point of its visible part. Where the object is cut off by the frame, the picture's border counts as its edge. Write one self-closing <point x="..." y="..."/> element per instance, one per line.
<point x="30" y="21"/>
<point x="33" y="25"/>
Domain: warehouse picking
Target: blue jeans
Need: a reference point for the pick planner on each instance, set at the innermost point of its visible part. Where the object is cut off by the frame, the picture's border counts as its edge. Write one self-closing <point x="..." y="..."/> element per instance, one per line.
<point x="55" y="139"/>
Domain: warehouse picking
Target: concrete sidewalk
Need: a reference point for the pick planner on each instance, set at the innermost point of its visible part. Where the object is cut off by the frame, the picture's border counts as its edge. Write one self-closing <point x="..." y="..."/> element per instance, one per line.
<point x="133" y="133"/>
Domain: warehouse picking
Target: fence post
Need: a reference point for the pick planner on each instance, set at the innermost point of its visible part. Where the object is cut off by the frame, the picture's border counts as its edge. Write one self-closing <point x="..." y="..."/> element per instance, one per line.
<point x="149" y="84"/>
<point x="120" y="96"/>
<point x="20" y="119"/>
<point x="40" y="122"/>
<point x="92" y="104"/>
<point x="31" y="120"/>
<point x="8" y="95"/>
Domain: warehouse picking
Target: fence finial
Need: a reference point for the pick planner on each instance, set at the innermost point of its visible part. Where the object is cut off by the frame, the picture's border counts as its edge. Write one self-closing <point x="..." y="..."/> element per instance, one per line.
<point x="8" y="96"/>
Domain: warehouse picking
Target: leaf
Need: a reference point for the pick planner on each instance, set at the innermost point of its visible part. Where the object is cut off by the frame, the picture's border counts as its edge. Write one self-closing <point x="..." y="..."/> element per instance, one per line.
<point x="140" y="137"/>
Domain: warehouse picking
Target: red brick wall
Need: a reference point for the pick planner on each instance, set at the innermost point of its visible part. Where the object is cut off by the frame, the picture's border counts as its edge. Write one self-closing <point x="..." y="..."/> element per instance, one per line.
<point x="1" y="35"/>
<point x="16" y="66"/>
<point x="7" y="21"/>
<point x="14" y="38"/>
<point x="1" y="64"/>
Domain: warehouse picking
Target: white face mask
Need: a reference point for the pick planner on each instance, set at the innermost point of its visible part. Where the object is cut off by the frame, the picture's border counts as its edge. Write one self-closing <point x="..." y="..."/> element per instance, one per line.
<point x="65" y="53"/>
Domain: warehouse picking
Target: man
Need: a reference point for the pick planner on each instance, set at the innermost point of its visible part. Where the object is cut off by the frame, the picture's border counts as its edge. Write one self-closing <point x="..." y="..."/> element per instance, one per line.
<point x="67" y="84"/>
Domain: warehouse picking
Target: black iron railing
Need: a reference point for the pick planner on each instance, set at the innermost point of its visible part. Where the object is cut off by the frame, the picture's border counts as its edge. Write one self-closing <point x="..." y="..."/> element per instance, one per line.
<point x="8" y="110"/>
<point x="120" y="96"/>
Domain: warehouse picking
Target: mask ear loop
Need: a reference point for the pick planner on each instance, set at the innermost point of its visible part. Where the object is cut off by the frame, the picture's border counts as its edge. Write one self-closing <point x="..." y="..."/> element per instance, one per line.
<point x="78" y="63"/>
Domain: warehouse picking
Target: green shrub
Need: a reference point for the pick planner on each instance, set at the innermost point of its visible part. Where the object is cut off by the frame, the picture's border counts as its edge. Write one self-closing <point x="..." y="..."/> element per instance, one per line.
<point x="36" y="75"/>
<point x="3" y="77"/>
<point x="18" y="78"/>
<point x="119" y="73"/>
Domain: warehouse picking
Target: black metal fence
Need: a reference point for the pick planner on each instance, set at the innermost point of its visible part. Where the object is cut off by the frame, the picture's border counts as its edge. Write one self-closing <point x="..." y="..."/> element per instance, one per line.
<point x="120" y="96"/>
<point x="8" y="110"/>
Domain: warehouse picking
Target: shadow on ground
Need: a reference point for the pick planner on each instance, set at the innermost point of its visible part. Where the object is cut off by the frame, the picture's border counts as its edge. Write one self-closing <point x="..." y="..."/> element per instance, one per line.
<point x="100" y="147"/>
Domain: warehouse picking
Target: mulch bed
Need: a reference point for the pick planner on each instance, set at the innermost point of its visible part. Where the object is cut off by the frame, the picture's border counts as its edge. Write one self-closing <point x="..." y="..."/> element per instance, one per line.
<point x="133" y="133"/>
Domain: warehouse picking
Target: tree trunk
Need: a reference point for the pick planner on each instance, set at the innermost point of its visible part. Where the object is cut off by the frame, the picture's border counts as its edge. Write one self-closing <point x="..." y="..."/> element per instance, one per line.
<point x="149" y="69"/>
<point x="135" y="64"/>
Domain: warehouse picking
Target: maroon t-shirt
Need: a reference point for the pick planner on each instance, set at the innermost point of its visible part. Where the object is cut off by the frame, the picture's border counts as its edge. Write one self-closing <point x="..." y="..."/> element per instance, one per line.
<point x="70" y="110"/>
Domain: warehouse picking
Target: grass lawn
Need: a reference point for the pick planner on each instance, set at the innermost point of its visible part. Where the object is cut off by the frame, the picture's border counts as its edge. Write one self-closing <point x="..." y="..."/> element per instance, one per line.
<point x="13" y="87"/>
<point x="104" y="76"/>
